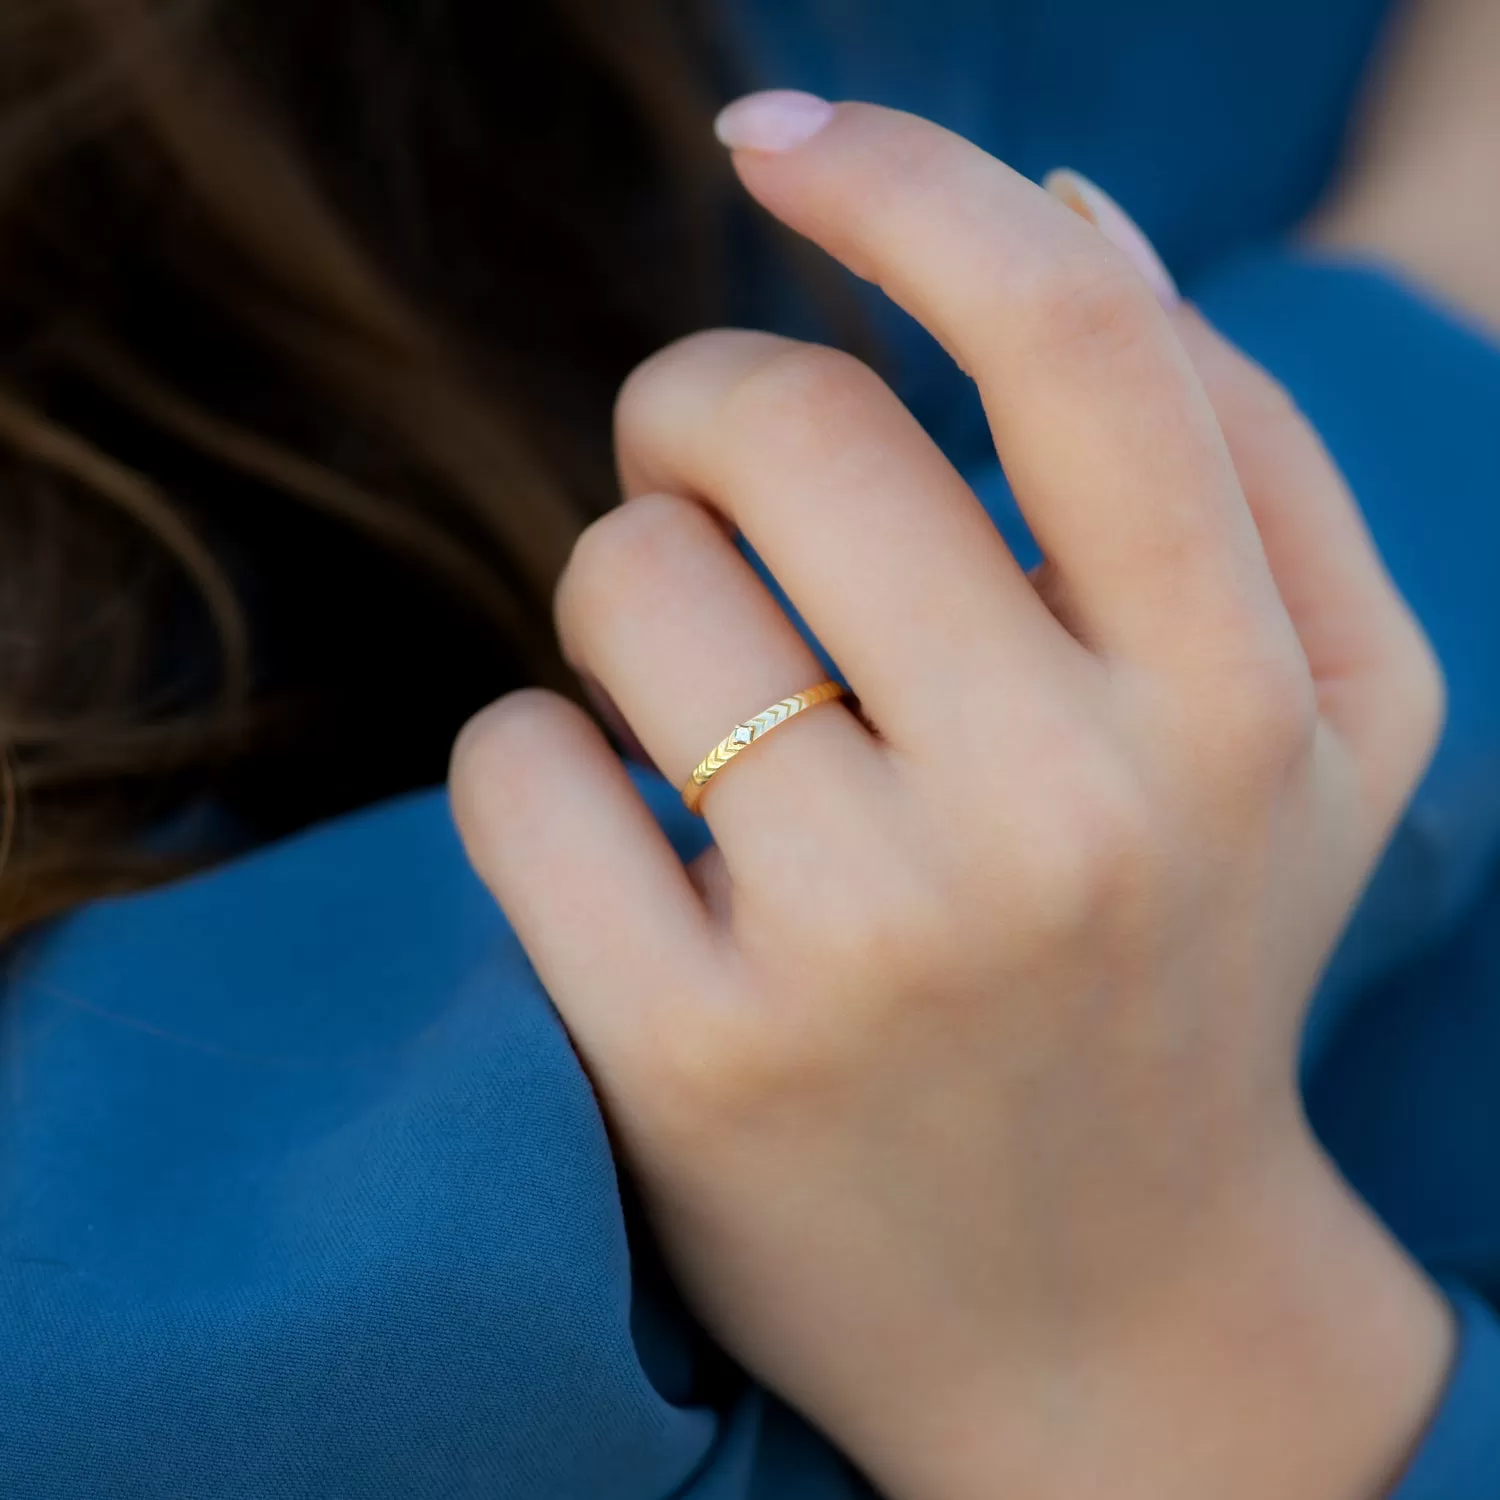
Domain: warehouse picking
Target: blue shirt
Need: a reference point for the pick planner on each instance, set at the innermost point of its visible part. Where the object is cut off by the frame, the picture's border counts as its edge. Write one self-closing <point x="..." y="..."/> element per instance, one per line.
<point x="302" y="1191"/>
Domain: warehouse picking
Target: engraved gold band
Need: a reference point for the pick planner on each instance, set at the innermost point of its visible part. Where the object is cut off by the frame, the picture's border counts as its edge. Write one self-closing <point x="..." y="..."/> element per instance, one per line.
<point x="744" y="735"/>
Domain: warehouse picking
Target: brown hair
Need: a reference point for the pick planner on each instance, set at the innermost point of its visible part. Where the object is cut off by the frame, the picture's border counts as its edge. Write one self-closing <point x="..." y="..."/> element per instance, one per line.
<point x="311" y="317"/>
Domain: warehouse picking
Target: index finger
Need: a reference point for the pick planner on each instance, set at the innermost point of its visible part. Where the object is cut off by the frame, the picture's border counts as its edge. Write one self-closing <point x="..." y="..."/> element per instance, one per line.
<point x="1098" y="415"/>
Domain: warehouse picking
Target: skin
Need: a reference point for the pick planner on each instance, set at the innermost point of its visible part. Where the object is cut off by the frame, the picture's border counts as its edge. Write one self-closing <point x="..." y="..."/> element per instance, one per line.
<point x="959" y="1076"/>
<point x="1422" y="189"/>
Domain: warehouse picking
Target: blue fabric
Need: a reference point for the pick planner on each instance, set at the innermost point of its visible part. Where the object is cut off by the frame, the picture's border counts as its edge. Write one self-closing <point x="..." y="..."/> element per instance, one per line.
<point x="303" y="1194"/>
<point x="1216" y="122"/>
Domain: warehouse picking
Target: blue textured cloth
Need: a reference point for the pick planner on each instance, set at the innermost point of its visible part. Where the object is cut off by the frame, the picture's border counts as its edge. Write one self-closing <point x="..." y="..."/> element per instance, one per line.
<point x="303" y="1193"/>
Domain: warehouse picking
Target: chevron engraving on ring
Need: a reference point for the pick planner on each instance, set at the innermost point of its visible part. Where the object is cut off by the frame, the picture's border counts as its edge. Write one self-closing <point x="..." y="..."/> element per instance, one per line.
<point x="745" y="734"/>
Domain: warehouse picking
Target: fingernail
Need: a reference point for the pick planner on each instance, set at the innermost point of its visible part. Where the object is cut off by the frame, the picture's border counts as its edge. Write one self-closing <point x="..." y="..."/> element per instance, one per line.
<point x="1090" y="201"/>
<point x="773" y="120"/>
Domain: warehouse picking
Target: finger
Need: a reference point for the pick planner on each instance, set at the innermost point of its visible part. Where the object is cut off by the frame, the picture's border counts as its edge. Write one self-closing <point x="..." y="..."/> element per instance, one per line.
<point x="877" y="540"/>
<point x="1100" y="420"/>
<point x="661" y="608"/>
<point x="1377" y="682"/>
<point x="597" y="897"/>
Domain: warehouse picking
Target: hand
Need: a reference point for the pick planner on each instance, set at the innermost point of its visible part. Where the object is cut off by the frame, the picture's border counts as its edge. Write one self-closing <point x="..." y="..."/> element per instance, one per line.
<point x="959" y="1077"/>
<point x="1421" y="190"/>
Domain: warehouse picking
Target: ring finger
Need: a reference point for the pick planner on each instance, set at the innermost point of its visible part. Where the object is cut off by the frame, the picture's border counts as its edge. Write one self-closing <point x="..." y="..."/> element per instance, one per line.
<point x="660" y="608"/>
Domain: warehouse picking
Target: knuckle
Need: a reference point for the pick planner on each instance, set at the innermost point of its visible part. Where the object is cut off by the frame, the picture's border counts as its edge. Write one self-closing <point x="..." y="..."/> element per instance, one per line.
<point x="1092" y="847"/>
<point x="1417" y="701"/>
<point x="795" y="388"/>
<point x="1268" y="721"/>
<point x="1260" y="417"/>
<point x="684" y="364"/>
<point x="886" y="931"/>
<point x="706" y="1074"/>
<point x="724" y="1075"/>
<point x="1266" y="407"/>
<point x="493" y="759"/>
<point x="1088" y="299"/>
<point x="1429" y="695"/>
<point x="625" y="554"/>
<point x="520" y="724"/>
<point x="873" y="913"/>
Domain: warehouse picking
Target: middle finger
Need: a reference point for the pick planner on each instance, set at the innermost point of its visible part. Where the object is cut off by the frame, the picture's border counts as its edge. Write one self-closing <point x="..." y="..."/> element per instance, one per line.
<point x="876" y="538"/>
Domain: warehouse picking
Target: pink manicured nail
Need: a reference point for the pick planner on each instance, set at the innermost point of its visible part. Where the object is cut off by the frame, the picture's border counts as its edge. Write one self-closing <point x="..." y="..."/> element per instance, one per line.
<point x="1090" y="201"/>
<point x="773" y="120"/>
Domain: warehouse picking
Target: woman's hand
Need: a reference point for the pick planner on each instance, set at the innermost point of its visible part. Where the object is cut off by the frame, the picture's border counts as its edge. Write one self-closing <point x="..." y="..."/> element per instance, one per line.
<point x="960" y="1075"/>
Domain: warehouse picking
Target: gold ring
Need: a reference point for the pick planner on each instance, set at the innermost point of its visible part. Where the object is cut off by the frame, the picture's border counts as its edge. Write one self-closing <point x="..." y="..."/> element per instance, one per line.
<point x="746" y="734"/>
